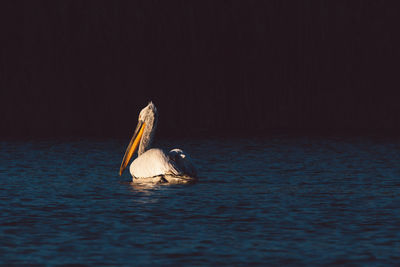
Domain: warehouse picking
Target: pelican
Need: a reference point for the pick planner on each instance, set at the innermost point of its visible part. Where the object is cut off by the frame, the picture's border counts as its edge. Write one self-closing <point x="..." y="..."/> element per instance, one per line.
<point x="153" y="165"/>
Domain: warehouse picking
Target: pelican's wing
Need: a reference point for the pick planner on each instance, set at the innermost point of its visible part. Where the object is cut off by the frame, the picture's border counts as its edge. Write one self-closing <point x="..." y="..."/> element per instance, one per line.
<point x="183" y="162"/>
<point x="153" y="162"/>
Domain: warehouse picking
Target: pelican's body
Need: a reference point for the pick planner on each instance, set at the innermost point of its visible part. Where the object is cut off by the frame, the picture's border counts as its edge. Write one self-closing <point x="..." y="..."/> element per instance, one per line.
<point x="154" y="165"/>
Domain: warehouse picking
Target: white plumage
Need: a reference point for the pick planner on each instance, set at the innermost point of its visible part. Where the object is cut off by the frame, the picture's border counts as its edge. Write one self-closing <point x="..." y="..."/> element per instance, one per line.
<point x="154" y="165"/>
<point x="151" y="163"/>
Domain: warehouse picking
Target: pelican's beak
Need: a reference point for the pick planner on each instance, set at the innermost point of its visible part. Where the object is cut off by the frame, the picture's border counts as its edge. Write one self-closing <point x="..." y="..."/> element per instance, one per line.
<point x="133" y="144"/>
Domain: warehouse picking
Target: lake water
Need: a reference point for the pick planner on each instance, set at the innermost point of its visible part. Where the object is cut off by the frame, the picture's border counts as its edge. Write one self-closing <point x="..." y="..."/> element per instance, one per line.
<point x="279" y="200"/>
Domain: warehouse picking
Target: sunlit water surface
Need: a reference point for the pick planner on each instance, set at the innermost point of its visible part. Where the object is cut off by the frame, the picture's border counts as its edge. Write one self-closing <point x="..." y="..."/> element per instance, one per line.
<point x="278" y="200"/>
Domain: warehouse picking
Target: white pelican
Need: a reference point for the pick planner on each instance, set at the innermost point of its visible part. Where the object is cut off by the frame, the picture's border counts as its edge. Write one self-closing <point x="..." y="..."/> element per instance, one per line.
<point x="154" y="165"/>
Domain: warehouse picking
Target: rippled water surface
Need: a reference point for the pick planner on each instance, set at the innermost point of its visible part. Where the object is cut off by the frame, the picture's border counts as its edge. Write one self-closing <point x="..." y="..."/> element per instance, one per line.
<point x="278" y="200"/>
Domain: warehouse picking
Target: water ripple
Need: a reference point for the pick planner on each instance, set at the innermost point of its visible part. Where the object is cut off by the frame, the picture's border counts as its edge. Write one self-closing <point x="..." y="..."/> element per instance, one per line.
<point x="281" y="200"/>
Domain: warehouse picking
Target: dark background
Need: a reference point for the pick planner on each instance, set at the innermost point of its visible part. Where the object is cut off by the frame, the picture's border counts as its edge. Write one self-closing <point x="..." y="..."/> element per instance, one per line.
<point x="86" y="68"/>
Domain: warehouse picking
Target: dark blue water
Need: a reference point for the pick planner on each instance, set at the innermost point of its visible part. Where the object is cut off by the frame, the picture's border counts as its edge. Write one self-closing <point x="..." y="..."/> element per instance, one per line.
<point x="280" y="200"/>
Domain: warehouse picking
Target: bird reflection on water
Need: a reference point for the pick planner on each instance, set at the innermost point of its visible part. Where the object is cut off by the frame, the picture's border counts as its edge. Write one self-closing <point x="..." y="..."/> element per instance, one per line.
<point x="146" y="188"/>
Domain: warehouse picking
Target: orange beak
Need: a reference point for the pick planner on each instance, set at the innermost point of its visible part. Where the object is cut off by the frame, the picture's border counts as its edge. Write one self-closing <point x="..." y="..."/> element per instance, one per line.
<point x="133" y="144"/>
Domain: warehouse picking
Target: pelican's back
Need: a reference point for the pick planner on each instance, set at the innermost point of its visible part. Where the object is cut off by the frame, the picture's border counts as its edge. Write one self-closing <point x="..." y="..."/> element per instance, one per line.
<point x="151" y="163"/>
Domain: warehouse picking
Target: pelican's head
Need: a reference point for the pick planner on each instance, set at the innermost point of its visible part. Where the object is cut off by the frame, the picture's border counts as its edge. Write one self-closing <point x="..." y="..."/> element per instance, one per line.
<point x="143" y="135"/>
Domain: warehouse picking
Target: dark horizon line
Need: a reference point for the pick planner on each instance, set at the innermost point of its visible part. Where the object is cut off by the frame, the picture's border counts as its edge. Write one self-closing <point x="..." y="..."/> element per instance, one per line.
<point x="215" y="134"/>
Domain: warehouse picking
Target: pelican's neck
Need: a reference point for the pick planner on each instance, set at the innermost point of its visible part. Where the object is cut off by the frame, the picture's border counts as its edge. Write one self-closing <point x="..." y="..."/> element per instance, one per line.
<point x="147" y="137"/>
